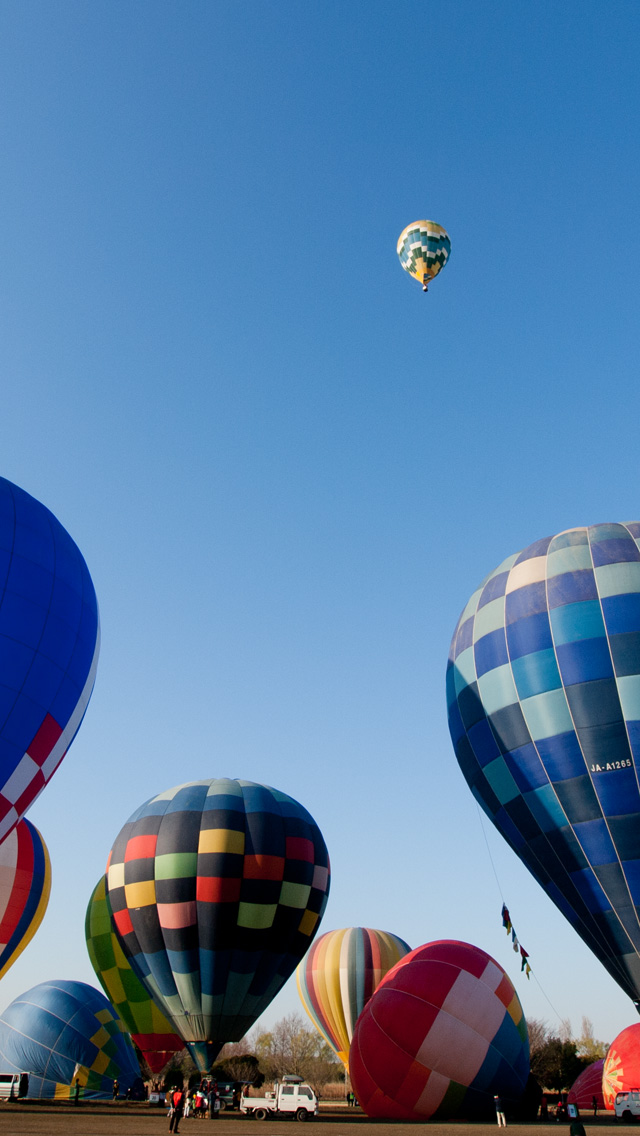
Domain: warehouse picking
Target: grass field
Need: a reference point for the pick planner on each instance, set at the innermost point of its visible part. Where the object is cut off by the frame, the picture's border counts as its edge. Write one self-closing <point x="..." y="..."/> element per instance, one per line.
<point x="25" y="1119"/>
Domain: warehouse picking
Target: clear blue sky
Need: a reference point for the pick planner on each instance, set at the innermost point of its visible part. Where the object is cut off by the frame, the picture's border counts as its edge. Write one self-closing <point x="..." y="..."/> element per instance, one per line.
<point x="286" y="467"/>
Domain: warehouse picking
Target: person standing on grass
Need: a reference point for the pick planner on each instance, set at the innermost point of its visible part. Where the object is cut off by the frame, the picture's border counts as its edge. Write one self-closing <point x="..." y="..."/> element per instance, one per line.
<point x="500" y="1116"/>
<point x="177" y="1105"/>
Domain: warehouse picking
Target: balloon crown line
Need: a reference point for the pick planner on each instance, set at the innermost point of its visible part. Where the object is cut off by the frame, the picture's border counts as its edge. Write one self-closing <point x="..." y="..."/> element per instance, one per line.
<point x="524" y="955"/>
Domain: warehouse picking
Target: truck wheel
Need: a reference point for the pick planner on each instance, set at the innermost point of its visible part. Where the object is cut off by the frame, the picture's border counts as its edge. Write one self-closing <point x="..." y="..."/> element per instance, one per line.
<point x="301" y="1114"/>
<point x="260" y="1114"/>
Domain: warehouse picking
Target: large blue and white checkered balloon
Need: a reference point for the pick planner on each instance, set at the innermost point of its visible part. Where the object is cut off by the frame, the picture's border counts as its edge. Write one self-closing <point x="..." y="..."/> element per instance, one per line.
<point x="49" y="642"/>
<point x="543" y="689"/>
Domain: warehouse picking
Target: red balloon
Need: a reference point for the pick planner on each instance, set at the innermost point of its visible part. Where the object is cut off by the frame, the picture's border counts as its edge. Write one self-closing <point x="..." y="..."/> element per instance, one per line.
<point x="442" y="1034"/>
<point x="587" y="1086"/>
<point x="622" y="1064"/>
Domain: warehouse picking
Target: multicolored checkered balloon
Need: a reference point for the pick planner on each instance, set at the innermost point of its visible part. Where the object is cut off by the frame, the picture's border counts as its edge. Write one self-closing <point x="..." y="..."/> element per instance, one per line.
<point x="49" y="643"/>
<point x="217" y="889"/>
<point x="543" y="687"/>
<point x="147" y="1025"/>
<point x="443" y="1033"/>
<point x="423" y="248"/>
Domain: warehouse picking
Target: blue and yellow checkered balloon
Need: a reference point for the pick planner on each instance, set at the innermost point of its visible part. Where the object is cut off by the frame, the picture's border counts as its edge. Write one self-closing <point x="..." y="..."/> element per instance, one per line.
<point x="423" y="249"/>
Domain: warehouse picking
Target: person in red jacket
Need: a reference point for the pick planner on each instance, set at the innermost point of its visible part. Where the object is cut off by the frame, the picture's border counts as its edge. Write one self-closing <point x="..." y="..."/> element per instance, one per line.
<point x="177" y="1106"/>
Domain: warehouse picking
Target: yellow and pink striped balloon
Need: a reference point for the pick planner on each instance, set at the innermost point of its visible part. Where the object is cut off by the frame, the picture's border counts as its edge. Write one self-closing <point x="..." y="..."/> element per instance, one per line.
<point x="338" y="976"/>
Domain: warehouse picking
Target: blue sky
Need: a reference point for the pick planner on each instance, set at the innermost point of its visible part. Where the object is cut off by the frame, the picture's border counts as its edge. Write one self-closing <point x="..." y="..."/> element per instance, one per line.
<point x="286" y="467"/>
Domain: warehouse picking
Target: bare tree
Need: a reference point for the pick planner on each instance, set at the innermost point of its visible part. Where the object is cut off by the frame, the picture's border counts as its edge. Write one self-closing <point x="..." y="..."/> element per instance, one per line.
<point x="538" y="1034"/>
<point x="291" y="1047"/>
<point x="589" y="1046"/>
<point x="287" y="1048"/>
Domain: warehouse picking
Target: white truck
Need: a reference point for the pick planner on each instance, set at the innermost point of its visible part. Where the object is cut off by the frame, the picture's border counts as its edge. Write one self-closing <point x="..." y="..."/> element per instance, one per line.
<point x="13" y="1086"/>
<point x="290" y="1096"/>
<point x="627" y="1105"/>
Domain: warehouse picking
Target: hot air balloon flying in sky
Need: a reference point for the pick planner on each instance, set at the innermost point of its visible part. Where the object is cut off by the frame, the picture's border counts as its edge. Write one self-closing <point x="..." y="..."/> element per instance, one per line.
<point x="49" y="641"/>
<point x="62" y="1031"/>
<point x="543" y="688"/>
<point x="25" y="884"/>
<point x="423" y="249"/>
<point x="217" y="889"/>
<point x="147" y="1025"/>
<point x="338" y="976"/>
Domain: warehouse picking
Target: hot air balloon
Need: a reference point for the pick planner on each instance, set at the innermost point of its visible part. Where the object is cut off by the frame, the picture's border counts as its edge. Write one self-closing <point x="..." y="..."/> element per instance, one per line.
<point x="621" y="1070"/>
<point x="338" y="976"/>
<point x="217" y="889"/>
<point x="543" y="687"/>
<point x="62" y="1032"/>
<point x="25" y="884"/>
<point x="588" y="1087"/>
<point x="147" y="1025"/>
<point x="443" y="1033"/>
<point x="423" y="249"/>
<point x="49" y="641"/>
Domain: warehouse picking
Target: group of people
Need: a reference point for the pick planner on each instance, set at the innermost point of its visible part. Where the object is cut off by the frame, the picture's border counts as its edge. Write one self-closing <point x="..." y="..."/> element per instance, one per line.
<point x="563" y="1113"/>
<point x="193" y="1102"/>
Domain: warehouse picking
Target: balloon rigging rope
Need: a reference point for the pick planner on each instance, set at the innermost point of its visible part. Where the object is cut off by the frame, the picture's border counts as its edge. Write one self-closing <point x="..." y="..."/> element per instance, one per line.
<point x="491" y="861"/>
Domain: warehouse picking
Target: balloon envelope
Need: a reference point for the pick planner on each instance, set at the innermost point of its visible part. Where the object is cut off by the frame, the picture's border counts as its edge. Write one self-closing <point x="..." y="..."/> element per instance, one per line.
<point x="423" y="249"/>
<point x="587" y="1086"/>
<point x="48" y="648"/>
<point x="622" y="1064"/>
<point x="543" y="689"/>
<point x="25" y="884"/>
<point x="60" y="1031"/>
<point x="338" y="976"/>
<point x="217" y="889"/>
<point x="440" y="1036"/>
<point x="148" y="1027"/>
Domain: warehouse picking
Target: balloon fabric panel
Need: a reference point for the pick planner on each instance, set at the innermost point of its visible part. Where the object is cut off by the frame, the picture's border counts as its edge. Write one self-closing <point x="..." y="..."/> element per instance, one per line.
<point x="338" y="976"/>
<point x="49" y="641"/>
<point x="25" y="885"/>
<point x="217" y="889"/>
<point x="62" y="1030"/>
<point x="148" y="1026"/>
<point x="543" y="689"/>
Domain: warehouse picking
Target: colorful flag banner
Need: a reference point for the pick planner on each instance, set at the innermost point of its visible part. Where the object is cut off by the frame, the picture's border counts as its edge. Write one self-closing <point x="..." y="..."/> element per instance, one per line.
<point x="510" y="929"/>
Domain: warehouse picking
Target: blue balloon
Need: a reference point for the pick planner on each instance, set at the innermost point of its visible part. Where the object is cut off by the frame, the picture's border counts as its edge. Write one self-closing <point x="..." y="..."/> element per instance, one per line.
<point x="543" y="689"/>
<point x="63" y="1032"/>
<point x="49" y="643"/>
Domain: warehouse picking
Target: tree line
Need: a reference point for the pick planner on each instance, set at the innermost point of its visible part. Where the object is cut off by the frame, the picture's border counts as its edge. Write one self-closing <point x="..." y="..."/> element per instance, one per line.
<point x="291" y="1046"/>
<point x="557" y="1058"/>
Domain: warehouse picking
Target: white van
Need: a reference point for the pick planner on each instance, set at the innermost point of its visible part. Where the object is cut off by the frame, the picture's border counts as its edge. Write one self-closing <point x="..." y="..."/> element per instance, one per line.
<point x="627" y="1105"/>
<point x="13" y="1085"/>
